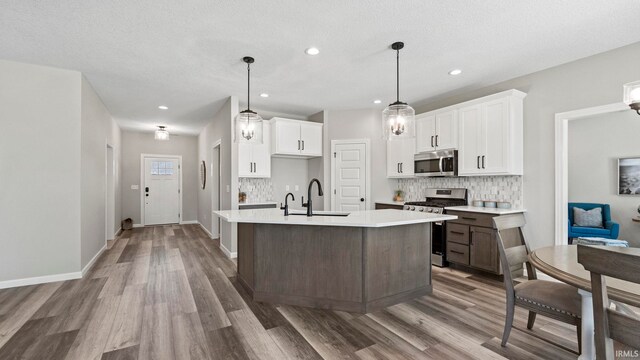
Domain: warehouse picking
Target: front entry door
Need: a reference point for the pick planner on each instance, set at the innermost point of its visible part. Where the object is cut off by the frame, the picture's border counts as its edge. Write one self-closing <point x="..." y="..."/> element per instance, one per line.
<point x="161" y="191"/>
<point x="350" y="177"/>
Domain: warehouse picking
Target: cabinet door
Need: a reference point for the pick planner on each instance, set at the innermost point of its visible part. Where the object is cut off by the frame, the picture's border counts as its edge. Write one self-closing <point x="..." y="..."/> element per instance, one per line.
<point x="311" y="137"/>
<point x="446" y="125"/>
<point x="394" y="156"/>
<point x="483" y="249"/>
<point x="495" y="134"/>
<point x="287" y="138"/>
<point x="470" y="140"/>
<point x="245" y="167"/>
<point x="407" y="164"/>
<point x="261" y="156"/>
<point x="425" y="133"/>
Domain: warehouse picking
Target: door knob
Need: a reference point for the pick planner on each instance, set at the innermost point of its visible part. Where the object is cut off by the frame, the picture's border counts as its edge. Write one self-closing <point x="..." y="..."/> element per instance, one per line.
<point x="361" y="199"/>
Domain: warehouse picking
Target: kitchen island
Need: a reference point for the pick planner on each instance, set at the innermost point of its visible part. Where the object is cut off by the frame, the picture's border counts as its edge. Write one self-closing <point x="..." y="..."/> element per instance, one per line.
<point x="359" y="263"/>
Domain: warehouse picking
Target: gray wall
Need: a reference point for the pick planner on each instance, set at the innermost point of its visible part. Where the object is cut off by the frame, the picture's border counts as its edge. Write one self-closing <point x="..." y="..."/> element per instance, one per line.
<point x="220" y="128"/>
<point x="592" y="81"/>
<point x="316" y="166"/>
<point x="40" y="177"/>
<point x="292" y="172"/>
<point x="97" y="129"/>
<point x="136" y="143"/>
<point x="595" y="144"/>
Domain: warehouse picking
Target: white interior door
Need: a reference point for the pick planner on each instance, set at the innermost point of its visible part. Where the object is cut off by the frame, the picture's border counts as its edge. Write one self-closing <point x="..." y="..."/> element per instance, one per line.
<point x="161" y="191"/>
<point x="350" y="169"/>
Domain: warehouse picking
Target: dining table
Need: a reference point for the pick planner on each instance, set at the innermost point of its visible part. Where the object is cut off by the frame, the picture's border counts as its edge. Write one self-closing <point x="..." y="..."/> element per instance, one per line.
<point x="561" y="263"/>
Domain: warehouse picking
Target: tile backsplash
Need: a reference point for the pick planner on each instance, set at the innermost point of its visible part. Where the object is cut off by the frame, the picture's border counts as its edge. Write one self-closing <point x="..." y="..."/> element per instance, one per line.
<point x="257" y="190"/>
<point x="499" y="188"/>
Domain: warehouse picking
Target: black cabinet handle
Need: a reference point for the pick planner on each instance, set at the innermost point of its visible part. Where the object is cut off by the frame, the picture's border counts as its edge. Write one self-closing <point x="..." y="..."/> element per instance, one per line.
<point x="456" y="232"/>
<point x="469" y="218"/>
<point x="401" y="167"/>
<point x="478" y="161"/>
<point x="457" y="252"/>
<point x="483" y="161"/>
<point x="298" y="144"/>
<point x="432" y="141"/>
<point x="436" y="140"/>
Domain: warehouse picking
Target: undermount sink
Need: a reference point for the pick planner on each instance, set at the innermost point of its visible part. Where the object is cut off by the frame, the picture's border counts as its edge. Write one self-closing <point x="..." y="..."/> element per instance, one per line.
<point x="320" y="213"/>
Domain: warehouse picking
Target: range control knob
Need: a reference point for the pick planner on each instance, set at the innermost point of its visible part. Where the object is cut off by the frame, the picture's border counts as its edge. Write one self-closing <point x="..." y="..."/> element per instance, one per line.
<point x="421" y="209"/>
<point x="430" y="210"/>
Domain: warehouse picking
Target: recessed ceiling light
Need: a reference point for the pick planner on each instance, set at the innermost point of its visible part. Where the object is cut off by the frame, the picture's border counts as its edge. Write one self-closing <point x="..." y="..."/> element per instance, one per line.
<point x="265" y="95"/>
<point x="312" y="51"/>
<point x="455" y="72"/>
<point x="163" y="107"/>
<point x="377" y="101"/>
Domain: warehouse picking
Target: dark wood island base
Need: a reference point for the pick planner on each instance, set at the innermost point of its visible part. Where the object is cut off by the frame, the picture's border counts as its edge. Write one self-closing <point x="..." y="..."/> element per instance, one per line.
<point x="355" y="269"/>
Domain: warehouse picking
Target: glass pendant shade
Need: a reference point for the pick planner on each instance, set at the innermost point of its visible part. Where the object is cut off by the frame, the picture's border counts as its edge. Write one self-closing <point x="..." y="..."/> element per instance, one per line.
<point x="162" y="133"/>
<point x="398" y="121"/>
<point x="248" y="124"/>
<point x="249" y="127"/>
<point x="632" y="95"/>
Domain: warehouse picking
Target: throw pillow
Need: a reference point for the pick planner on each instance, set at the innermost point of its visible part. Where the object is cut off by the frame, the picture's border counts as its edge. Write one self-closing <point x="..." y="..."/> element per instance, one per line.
<point x="587" y="218"/>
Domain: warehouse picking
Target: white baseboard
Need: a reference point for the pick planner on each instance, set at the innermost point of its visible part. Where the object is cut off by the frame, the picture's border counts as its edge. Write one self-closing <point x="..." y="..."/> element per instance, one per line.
<point x="205" y="230"/>
<point x="188" y="222"/>
<point x="230" y="255"/>
<point x="40" y="280"/>
<point x="117" y="233"/>
<point x="138" y="225"/>
<point x="93" y="261"/>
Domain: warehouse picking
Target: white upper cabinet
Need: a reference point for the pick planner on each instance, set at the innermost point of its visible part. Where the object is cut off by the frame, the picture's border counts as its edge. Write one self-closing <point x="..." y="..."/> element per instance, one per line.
<point x="437" y="130"/>
<point x="491" y="135"/>
<point x="400" y="158"/>
<point x="254" y="160"/>
<point x="295" y="138"/>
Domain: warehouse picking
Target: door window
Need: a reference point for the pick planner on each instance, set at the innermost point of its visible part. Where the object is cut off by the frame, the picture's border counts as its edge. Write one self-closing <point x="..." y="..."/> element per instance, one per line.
<point x="161" y="167"/>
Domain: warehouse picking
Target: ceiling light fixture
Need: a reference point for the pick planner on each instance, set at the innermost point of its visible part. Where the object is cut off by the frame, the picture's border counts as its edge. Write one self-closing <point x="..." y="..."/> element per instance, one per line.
<point x="377" y="101"/>
<point x="264" y="95"/>
<point x="163" y="107"/>
<point x="162" y="133"/>
<point x="398" y="118"/>
<point x="312" y="51"/>
<point x="632" y="95"/>
<point x="455" y="72"/>
<point x="248" y="122"/>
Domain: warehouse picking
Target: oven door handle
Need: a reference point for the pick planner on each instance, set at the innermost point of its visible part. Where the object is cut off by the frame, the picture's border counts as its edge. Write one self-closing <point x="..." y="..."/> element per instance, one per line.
<point x="440" y="163"/>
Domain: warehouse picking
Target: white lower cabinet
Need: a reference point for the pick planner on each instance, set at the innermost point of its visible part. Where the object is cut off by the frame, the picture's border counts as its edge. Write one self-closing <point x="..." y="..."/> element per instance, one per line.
<point x="254" y="160"/>
<point x="400" y="158"/>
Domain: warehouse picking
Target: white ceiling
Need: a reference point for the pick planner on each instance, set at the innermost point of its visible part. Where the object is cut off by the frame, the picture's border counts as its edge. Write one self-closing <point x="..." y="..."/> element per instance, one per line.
<point x="187" y="54"/>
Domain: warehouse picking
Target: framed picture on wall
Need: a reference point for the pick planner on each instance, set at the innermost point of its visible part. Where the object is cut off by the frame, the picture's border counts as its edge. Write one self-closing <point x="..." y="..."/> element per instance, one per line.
<point x="629" y="176"/>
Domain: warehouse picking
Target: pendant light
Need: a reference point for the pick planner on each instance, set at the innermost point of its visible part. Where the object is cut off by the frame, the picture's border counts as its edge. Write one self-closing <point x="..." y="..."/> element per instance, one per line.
<point x="248" y="122"/>
<point x="398" y="119"/>
<point x="162" y="133"/>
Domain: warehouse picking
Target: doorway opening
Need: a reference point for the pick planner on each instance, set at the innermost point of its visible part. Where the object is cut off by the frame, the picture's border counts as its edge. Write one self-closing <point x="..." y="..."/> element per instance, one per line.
<point x="110" y="195"/>
<point x="350" y="175"/>
<point x="161" y="195"/>
<point x="215" y="189"/>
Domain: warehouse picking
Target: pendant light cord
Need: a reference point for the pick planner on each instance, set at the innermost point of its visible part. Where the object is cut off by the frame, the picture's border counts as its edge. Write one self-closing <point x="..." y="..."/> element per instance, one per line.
<point x="248" y="86"/>
<point x="398" y="75"/>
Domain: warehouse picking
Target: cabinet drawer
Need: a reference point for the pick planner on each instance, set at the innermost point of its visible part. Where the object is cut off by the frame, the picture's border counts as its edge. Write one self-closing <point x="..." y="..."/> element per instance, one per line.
<point x="469" y="218"/>
<point x="458" y="253"/>
<point x="458" y="233"/>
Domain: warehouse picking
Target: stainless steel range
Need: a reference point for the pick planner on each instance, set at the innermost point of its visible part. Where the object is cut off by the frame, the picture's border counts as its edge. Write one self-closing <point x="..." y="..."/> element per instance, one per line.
<point x="435" y="202"/>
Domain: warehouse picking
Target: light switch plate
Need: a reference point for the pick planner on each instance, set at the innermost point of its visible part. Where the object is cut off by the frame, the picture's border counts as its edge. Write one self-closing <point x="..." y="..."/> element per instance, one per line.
<point x="135" y="187"/>
<point x="297" y="188"/>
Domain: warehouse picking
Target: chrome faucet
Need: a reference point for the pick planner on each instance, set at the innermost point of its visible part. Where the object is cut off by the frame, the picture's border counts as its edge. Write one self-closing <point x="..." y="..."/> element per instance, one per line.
<point x="308" y="204"/>
<point x="286" y="204"/>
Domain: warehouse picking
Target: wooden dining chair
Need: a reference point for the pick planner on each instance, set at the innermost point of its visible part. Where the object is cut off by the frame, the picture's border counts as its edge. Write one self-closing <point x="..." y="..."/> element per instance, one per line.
<point x="610" y="324"/>
<point x="548" y="298"/>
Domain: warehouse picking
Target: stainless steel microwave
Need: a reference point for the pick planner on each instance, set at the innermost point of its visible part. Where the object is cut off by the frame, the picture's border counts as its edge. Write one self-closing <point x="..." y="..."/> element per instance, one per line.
<point x="437" y="163"/>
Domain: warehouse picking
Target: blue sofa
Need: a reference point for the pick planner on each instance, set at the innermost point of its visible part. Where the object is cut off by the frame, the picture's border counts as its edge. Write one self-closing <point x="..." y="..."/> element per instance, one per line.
<point x="610" y="230"/>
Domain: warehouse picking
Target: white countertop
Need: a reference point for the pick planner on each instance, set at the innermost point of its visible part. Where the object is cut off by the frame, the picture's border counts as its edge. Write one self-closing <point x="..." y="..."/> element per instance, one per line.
<point x="484" y="210"/>
<point x="368" y="218"/>
<point x="390" y="202"/>
<point x="252" y="203"/>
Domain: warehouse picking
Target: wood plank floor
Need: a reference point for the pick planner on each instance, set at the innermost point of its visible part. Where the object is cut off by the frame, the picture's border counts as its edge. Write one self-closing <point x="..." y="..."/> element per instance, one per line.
<point x="168" y="292"/>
